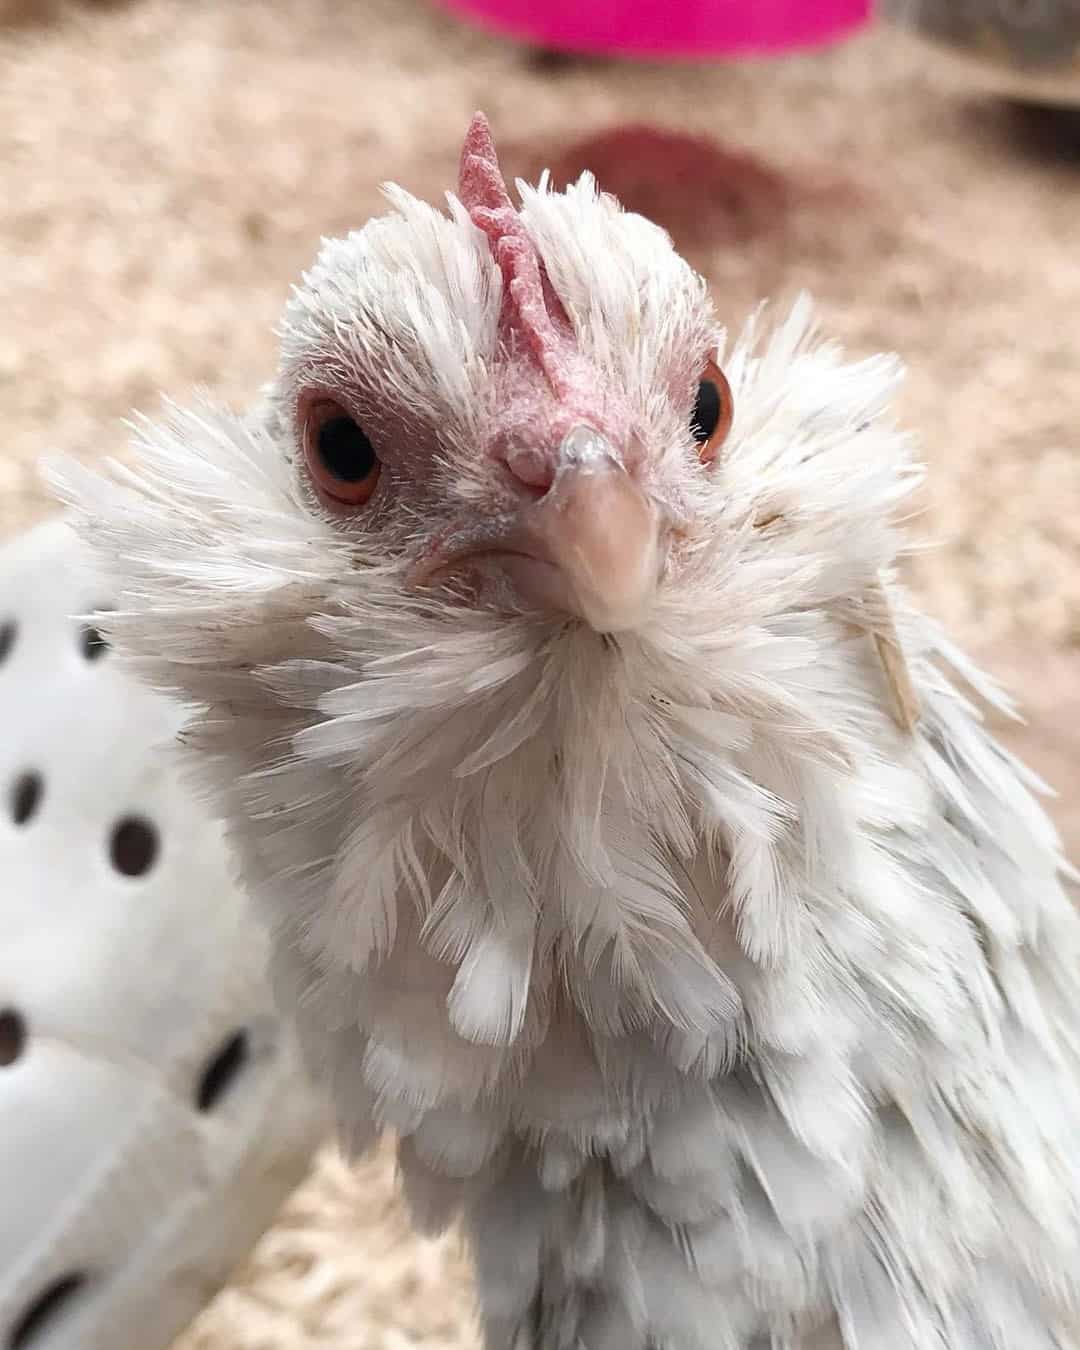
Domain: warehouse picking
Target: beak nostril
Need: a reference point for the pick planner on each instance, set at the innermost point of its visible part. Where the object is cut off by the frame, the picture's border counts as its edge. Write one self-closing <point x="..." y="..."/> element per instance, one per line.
<point x="531" y="468"/>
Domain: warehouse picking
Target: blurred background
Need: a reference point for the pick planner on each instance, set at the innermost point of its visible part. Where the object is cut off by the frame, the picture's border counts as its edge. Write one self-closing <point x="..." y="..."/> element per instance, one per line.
<point x="167" y="168"/>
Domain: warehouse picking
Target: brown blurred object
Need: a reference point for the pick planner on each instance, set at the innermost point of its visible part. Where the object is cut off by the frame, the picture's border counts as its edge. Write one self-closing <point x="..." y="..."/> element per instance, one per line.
<point x="1027" y="50"/>
<point x="16" y="13"/>
<point x="168" y="166"/>
<point x="698" y="189"/>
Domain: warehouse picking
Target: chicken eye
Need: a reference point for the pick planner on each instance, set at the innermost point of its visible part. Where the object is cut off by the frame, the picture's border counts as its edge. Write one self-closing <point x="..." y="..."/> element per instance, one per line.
<point x="713" y="411"/>
<point x="340" y="456"/>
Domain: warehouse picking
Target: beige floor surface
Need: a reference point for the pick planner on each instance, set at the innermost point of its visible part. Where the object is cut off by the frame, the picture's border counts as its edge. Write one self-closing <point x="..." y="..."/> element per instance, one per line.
<point x="167" y="166"/>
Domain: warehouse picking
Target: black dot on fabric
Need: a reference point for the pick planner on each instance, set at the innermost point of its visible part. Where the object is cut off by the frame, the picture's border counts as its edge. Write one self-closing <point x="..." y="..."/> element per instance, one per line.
<point x="44" y="1309"/>
<point x="12" y="1037"/>
<point x="134" y="846"/>
<point x="26" y="794"/>
<point x="92" y="645"/>
<point x="222" y="1070"/>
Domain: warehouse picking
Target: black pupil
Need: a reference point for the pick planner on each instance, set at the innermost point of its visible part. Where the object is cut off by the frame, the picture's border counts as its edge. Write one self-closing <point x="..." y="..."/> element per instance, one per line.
<point x="345" y="450"/>
<point x="706" y="415"/>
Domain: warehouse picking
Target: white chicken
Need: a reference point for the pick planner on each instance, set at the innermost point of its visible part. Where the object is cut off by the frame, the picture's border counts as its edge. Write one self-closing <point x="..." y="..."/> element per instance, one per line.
<point x="627" y="845"/>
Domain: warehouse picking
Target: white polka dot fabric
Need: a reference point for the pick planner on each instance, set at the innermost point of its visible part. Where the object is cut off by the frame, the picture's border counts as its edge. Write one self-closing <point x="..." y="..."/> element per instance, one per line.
<point x="153" y="1115"/>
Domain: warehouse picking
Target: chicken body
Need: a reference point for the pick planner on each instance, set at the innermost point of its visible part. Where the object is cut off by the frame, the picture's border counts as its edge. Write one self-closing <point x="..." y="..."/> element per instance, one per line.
<point x="729" y="999"/>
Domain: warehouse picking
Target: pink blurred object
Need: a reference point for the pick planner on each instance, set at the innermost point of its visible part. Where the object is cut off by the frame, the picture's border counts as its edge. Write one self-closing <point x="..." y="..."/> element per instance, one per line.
<point x="688" y="28"/>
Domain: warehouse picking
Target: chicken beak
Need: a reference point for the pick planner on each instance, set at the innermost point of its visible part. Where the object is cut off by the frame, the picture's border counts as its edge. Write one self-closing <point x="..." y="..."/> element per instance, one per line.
<point x="590" y="545"/>
<point x="600" y="533"/>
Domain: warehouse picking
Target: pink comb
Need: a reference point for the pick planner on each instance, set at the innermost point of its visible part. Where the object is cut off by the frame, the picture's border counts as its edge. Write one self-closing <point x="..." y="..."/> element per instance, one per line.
<point x="531" y="311"/>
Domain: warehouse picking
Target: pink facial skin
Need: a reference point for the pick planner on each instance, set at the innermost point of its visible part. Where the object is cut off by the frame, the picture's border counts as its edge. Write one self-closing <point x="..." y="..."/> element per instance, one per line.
<point x="567" y="521"/>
